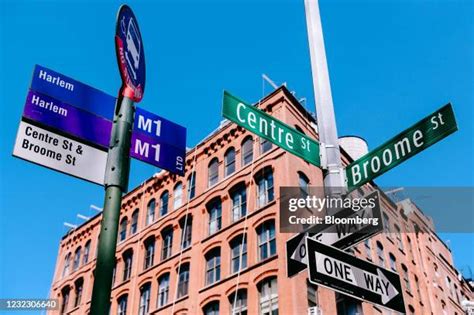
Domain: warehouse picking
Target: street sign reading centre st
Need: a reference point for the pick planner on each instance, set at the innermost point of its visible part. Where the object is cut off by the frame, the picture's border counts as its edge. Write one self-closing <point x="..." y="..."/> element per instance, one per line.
<point x="403" y="146"/>
<point x="340" y="235"/>
<point x="342" y="272"/>
<point x="130" y="54"/>
<point x="271" y="129"/>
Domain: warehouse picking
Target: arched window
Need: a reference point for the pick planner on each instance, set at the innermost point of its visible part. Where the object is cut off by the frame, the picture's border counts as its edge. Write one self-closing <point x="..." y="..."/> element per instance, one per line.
<point x="186" y="225"/>
<point x="167" y="243"/>
<point x="149" y="245"/>
<point x="238" y="196"/>
<point x="87" y="249"/>
<point x="268" y="292"/>
<point x="213" y="172"/>
<point x="67" y="262"/>
<point x="303" y="182"/>
<point x="191" y="185"/>
<point x="177" y="196"/>
<point x="150" y="213"/>
<point x="211" y="308"/>
<point x="368" y="249"/>
<point x="78" y="288"/>
<point x="264" y="180"/>
<point x="393" y="262"/>
<point x="123" y="230"/>
<point x="265" y="146"/>
<point x="380" y="254"/>
<point x="213" y="266"/>
<point x="238" y="302"/>
<point x="266" y="239"/>
<point x="134" y="223"/>
<point x="163" y="289"/>
<point x="398" y="235"/>
<point x="164" y="203"/>
<point x="77" y="259"/>
<point x="238" y="247"/>
<point x="406" y="278"/>
<point x="122" y="305"/>
<point x="145" y="292"/>
<point x="247" y="151"/>
<point x="65" y="299"/>
<point x="183" y="280"/>
<point x="127" y="264"/>
<point x="214" y="208"/>
<point x="229" y="160"/>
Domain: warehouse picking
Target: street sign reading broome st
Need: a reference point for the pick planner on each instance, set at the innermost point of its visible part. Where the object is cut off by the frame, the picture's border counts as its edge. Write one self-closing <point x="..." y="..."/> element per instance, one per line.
<point x="342" y="272"/>
<point x="415" y="139"/>
<point x="271" y="129"/>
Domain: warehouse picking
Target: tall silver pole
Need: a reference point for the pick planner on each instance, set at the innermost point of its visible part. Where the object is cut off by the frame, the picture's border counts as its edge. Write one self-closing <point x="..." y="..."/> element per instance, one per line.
<point x="334" y="183"/>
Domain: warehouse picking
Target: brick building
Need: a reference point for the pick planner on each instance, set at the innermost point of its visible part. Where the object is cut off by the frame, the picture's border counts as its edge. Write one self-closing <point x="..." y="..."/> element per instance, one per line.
<point x="207" y="241"/>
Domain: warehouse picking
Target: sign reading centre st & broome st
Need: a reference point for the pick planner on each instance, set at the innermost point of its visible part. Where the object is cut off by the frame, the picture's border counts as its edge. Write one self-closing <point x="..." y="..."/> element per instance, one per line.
<point x="271" y="129"/>
<point x="342" y="272"/>
<point x="403" y="146"/>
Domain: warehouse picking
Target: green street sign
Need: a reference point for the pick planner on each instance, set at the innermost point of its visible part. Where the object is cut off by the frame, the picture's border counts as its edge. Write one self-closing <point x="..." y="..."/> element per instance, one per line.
<point x="267" y="127"/>
<point x="403" y="146"/>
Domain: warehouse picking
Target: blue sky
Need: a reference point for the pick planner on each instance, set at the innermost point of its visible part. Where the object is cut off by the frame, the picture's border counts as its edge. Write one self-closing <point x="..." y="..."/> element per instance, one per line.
<point x="390" y="62"/>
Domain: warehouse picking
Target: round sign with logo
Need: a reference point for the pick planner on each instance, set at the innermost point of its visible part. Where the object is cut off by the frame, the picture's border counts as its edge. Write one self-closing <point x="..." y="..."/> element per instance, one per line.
<point x="130" y="54"/>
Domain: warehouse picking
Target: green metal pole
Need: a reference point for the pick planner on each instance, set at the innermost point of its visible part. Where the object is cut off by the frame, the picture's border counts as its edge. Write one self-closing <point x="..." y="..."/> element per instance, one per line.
<point x="116" y="183"/>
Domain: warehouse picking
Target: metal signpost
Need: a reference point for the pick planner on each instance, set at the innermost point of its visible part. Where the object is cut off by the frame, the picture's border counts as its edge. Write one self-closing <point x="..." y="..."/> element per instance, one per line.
<point x="131" y="59"/>
<point x="342" y="272"/>
<point x="271" y="129"/>
<point x="403" y="146"/>
<point x="342" y="235"/>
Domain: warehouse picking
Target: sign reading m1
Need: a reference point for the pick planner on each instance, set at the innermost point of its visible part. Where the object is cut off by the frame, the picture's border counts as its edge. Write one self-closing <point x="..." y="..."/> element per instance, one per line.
<point x="415" y="139"/>
<point x="340" y="271"/>
<point x="267" y="127"/>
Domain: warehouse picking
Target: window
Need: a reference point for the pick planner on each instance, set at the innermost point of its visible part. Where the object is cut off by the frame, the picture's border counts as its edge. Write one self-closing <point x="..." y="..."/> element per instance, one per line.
<point x="114" y="272"/>
<point x="191" y="186"/>
<point x="368" y="248"/>
<point x="183" y="280"/>
<point x="177" y="196"/>
<point x="67" y="261"/>
<point x="266" y="240"/>
<point x="127" y="267"/>
<point x="406" y="278"/>
<point x="211" y="308"/>
<point x="393" y="262"/>
<point x="239" y="253"/>
<point x="214" y="208"/>
<point x="163" y="289"/>
<point x="264" y="187"/>
<point x="380" y="254"/>
<point x="268" y="296"/>
<point x="386" y="223"/>
<point x="239" y="202"/>
<point x="347" y="305"/>
<point x="78" y="286"/>
<point x="186" y="225"/>
<point x="417" y="286"/>
<point x="303" y="182"/>
<point x="149" y="252"/>
<point x="229" y="159"/>
<point x="87" y="248"/>
<point x="312" y="294"/>
<point x="65" y="299"/>
<point x="164" y="203"/>
<point x="265" y="146"/>
<point x="399" y="237"/>
<point x="144" y="299"/>
<point x="134" y="224"/>
<point x="238" y="303"/>
<point x="213" y="172"/>
<point x="411" y="310"/>
<point x="443" y="306"/>
<point x="167" y="243"/>
<point x="213" y="266"/>
<point x="77" y="259"/>
<point x="247" y="151"/>
<point x="123" y="229"/>
<point x="150" y="214"/>
<point x="122" y="305"/>
<point x="410" y="249"/>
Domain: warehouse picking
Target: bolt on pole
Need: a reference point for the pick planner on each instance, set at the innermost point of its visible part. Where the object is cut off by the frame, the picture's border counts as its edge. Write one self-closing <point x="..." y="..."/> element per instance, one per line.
<point x="116" y="184"/>
<point x="334" y="182"/>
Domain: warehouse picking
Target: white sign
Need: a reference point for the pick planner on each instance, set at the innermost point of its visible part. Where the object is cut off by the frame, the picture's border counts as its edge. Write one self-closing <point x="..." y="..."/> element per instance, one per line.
<point x="62" y="154"/>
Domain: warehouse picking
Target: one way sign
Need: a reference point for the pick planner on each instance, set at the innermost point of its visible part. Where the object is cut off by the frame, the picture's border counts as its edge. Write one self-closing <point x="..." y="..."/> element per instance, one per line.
<point x="349" y="275"/>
